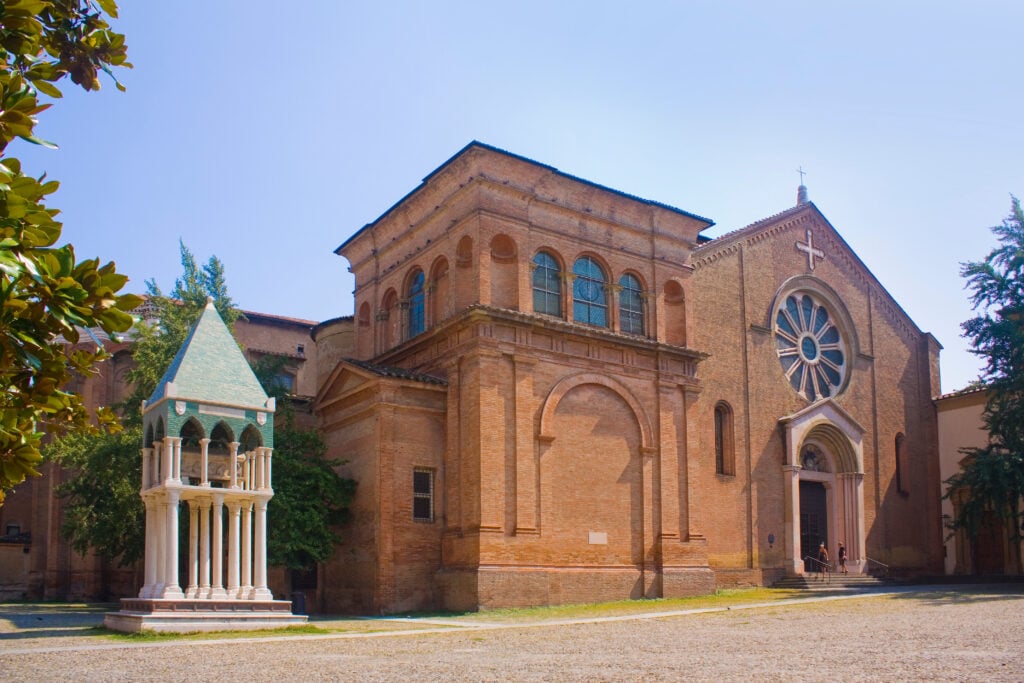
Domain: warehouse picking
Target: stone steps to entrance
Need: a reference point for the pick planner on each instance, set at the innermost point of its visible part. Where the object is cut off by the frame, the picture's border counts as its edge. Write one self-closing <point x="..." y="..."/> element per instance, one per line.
<point x="832" y="582"/>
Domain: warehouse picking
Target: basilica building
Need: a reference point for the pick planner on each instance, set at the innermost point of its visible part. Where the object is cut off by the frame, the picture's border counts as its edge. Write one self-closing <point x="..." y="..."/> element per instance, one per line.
<point x="552" y="391"/>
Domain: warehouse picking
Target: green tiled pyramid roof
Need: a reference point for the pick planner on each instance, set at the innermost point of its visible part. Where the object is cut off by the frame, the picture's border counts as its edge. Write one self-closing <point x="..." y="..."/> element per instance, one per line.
<point x="210" y="368"/>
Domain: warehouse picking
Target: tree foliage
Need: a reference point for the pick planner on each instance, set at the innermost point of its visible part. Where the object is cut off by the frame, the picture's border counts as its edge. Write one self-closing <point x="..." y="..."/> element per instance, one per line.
<point x="168" y="321"/>
<point x="46" y="294"/>
<point x="310" y="498"/>
<point x="103" y="509"/>
<point x="991" y="479"/>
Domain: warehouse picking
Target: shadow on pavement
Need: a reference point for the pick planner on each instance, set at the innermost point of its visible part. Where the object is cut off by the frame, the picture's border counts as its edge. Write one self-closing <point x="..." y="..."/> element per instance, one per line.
<point x="19" y="621"/>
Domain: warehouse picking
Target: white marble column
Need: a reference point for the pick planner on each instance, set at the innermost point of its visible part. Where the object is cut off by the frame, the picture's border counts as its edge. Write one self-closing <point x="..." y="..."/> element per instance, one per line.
<point x="260" y="590"/>
<point x="171" y="588"/>
<point x="151" y="543"/>
<point x="247" y="471"/>
<point x="176" y="445"/>
<point x="233" y="464"/>
<point x="166" y="460"/>
<point x="204" y="549"/>
<point x="145" y="468"/>
<point x="270" y="468"/>
<point x="160" y="551"/>
<point x="246" y="588"/>
<point x="217" y="588"/>
<point x="266" y="468"/>
<point x="192" y="591"/>
<point x="204" y="462"/>
<point x="234" y="509"/>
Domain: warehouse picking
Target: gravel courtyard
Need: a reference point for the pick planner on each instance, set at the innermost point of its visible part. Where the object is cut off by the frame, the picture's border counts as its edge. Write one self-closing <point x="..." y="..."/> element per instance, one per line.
<point x="937" y="634"/>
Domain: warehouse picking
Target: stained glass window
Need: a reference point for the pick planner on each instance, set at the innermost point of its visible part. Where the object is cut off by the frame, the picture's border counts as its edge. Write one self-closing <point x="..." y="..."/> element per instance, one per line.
<point x="810" y="347"/>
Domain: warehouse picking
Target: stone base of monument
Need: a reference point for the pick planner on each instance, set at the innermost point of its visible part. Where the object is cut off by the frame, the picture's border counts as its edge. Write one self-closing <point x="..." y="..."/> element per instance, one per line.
<point x="191" y="616"/>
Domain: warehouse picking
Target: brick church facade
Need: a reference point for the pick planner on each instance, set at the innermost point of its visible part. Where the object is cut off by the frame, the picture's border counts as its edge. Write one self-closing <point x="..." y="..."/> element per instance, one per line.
<point x="552" y="391"/>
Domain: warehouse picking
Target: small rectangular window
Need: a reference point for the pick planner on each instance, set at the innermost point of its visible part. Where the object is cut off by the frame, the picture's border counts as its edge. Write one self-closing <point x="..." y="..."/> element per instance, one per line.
<point x="286" y="381"/>
<point x="423" y="495"/>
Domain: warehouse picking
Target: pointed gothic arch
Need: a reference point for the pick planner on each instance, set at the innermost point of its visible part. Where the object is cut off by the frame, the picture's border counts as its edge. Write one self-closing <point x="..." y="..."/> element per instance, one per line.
<point x="220" y="436"/>
<point x="250" y="439"/>
<point x="191" y="432"/>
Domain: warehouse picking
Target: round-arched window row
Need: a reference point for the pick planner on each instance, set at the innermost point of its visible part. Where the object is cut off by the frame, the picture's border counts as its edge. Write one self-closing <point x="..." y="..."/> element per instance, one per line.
<point x="591" y="300"/>
<point x="592" y="297"/>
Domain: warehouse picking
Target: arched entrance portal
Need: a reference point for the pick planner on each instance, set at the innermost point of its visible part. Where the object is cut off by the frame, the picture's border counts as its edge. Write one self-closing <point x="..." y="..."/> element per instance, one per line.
<point x="824" y="494"/>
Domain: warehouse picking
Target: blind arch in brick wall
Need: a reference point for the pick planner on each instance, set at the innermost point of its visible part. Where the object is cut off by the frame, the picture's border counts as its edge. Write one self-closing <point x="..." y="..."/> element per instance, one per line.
<point x="567" y="384"/>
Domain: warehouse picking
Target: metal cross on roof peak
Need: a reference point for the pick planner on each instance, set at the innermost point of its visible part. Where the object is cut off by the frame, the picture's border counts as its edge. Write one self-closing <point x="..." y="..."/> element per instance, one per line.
<point x="802" y="172"/>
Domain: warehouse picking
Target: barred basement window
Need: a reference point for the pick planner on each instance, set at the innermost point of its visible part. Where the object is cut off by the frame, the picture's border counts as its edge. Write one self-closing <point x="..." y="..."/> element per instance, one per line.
<point x="423" y="495"/>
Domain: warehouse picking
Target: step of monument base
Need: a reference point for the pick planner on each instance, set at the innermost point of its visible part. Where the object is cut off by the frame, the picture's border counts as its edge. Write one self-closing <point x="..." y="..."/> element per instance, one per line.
<point x="191" y="616"/>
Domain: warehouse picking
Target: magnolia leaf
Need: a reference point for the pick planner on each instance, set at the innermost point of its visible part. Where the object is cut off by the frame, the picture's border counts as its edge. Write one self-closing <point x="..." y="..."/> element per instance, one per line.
<point x="38" y="141"/>
<point x="108" y="6"/>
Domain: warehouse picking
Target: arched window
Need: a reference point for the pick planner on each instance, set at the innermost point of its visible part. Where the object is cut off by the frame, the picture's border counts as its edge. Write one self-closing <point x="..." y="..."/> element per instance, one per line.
<point x="631" y="305"/>
<point x="725" y="458"/>
<point x="901" y="480"/>
<point x="251" y="439"/>
<point x="416" y="304"/>
<point x="547" y="284"/>
<point x="589" y="298"/>
<point x="220" y="437"/>
<point x="191" y="432"/>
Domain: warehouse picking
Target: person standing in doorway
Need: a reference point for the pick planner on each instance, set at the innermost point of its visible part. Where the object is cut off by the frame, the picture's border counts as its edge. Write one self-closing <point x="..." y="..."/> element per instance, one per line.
<point x="823" y="565"/>
<point x="842" y="558"/>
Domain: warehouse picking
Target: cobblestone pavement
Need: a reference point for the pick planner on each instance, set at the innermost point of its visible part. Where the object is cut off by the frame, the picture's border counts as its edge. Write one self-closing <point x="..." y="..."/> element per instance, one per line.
<point x="937" y="634"/>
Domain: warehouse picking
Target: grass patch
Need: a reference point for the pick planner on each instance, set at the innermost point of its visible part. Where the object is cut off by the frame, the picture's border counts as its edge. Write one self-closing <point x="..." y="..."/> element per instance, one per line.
<point x="722" y="598"/>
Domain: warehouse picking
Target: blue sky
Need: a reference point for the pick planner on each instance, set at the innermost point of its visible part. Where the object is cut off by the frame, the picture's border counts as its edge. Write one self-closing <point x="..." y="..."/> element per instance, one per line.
<point x="267" y="135"/>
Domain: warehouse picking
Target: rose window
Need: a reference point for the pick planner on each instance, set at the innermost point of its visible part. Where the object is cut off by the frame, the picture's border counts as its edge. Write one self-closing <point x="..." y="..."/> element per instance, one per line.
<point x="810" y="347"/>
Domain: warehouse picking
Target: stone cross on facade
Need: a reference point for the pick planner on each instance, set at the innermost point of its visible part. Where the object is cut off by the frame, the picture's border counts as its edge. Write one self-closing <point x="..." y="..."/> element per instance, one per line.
<point x="810" y="250"/>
